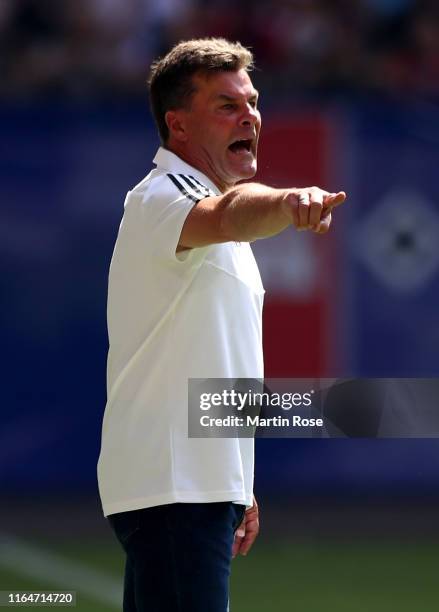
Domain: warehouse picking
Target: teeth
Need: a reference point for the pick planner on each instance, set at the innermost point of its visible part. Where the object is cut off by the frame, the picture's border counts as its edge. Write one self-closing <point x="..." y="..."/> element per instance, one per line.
<point x="241" y="146"/>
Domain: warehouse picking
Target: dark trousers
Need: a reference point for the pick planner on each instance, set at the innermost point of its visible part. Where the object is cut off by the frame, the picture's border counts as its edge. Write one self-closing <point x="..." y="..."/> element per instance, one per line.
<point x="178" y="556"/>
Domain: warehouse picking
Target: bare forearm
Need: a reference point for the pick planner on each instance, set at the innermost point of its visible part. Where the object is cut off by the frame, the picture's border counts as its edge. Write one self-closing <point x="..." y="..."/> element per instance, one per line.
<point x="253" y="211"/>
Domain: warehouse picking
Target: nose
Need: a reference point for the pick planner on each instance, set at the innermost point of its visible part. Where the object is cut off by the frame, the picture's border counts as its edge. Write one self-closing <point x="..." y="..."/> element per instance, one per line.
<point x="250" y="117"/>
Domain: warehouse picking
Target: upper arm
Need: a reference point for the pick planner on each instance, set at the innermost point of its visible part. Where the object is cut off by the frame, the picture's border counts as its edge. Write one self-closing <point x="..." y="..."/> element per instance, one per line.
<point x="177" y="214"/>
<point x="203" y="224"/>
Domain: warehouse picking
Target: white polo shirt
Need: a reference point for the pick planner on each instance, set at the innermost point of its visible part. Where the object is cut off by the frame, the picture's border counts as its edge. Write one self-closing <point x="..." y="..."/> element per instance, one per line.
<point x="197" y="314"/>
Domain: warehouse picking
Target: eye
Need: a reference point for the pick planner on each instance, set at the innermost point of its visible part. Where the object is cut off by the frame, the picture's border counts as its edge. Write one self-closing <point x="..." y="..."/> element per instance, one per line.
<point x="228" y="106"/>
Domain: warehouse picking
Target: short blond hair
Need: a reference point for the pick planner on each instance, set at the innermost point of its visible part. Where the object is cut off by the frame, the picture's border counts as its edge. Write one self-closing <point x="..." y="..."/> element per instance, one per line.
<point x="170" y="79"/>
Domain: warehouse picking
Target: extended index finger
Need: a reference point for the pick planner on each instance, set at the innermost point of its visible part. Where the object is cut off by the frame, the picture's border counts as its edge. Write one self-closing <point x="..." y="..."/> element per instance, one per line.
<point x="334" y="199"/>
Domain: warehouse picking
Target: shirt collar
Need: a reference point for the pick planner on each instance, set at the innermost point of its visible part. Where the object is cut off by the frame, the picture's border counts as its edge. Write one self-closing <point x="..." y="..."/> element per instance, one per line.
<point x="166" y="160"/>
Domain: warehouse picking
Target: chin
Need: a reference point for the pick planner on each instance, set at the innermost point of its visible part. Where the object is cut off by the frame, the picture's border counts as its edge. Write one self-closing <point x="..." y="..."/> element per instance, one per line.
<point x="250" y="173"/>
<point x="240" y="174"/>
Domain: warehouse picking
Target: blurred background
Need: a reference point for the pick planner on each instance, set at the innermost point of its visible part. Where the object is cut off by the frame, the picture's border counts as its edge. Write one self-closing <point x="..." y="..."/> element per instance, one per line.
<point x="349" y="98"/>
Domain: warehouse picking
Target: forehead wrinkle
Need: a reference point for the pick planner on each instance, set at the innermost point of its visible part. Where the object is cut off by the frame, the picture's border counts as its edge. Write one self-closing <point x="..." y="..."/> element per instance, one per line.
<point x="232" y="97"/>
<point x="230" y="84"/>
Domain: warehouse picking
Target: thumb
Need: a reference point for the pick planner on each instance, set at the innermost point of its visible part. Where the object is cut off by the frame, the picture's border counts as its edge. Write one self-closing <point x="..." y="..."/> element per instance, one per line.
<point x="239" y="537"/>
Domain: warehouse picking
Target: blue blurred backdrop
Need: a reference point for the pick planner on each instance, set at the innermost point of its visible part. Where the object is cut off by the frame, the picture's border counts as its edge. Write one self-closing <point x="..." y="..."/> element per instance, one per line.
<point x="349" y="98"/>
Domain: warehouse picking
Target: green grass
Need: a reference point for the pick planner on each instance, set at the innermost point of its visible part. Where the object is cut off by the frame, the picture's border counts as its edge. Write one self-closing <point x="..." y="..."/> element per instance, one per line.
<point x="376" y="576"/>
<point x="339" y="577"/>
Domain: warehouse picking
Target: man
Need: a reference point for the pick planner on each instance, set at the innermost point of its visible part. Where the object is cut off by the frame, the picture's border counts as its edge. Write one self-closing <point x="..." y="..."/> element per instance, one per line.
<point x="185" y="301"/>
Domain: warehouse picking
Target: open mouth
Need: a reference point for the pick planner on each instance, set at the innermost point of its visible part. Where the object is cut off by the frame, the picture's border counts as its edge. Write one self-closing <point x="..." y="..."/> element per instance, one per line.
<point x="241" y="146"/>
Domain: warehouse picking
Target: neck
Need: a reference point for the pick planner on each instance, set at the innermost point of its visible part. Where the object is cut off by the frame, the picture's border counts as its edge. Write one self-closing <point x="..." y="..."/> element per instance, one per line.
<point x="201" y="162"/>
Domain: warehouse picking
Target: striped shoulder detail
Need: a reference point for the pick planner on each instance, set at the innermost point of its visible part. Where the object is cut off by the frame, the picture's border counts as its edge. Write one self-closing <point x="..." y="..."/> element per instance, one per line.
<point x="188" y="187"/>
<point x="205" y="189"/>
<point x="195" y="196"/>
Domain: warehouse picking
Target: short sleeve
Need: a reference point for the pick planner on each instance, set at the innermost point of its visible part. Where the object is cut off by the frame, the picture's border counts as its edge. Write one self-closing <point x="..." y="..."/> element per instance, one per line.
<point x="163" y="208"/>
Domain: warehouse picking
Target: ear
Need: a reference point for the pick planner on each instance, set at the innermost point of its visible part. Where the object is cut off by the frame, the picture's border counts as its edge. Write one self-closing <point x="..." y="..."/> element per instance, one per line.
<point x="176" y="125"/>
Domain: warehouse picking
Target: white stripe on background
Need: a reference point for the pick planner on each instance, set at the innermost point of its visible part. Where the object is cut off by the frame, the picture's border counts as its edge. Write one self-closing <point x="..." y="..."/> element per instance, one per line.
<point x="52" y="569"/>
